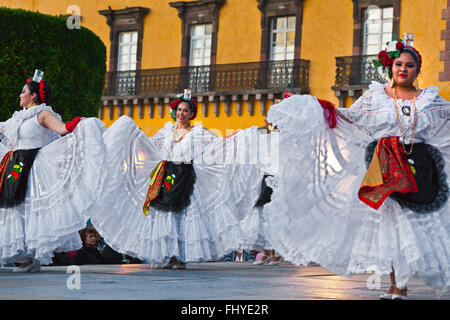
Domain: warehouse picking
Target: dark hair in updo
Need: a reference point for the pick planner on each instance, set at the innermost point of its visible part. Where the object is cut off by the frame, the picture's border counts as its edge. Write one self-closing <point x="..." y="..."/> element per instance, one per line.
<point x="34" y="87"/>
<point x="190" y="103"/>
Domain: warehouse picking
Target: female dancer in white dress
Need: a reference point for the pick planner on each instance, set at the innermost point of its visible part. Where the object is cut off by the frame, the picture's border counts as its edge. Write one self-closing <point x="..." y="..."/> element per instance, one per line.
<point x="48" y="184"/>
<point x="184" y="210"/>
<point x="254" y="224"/>
<point x="330" y="202"/>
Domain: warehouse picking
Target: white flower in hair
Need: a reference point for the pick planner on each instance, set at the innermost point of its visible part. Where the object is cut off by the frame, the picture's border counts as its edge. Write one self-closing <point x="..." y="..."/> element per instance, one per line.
<point x="392" y="46"/>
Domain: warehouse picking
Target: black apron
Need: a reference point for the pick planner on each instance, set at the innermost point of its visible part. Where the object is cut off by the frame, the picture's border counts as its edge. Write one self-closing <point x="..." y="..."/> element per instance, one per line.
<point x="15" y="181"/>
<point x="176" y="189"/>
<point x="427" y="165"/>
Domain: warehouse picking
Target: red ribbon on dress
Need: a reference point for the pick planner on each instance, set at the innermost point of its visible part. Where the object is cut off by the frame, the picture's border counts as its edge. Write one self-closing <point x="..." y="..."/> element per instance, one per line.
<point x="3" y="165"/>
<point x="71" y="125"/>
<point x="389" y="172"/>
<point x="156" y="181"/>
<point x="329" y="113"/>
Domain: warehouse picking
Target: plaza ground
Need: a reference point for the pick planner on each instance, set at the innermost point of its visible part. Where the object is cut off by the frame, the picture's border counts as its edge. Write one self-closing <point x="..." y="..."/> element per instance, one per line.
<point x="200" y="281"/>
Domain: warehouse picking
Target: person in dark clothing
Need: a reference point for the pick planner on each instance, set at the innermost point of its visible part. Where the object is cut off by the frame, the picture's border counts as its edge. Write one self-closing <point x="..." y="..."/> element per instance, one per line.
<point x="89" y="253"/>
<point x="63" y="258"/>
<point x="94" y="251"/>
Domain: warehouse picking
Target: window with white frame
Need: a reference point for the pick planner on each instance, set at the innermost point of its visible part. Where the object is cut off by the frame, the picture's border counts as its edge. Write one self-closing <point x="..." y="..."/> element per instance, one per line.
<point x="128" y="42"/>
<point x="200" y="57"/>
<point x="201" y="36"/>
<point x="282" y="38"/>
<point x="127" y="54"/>
<point x="378" y="26"/>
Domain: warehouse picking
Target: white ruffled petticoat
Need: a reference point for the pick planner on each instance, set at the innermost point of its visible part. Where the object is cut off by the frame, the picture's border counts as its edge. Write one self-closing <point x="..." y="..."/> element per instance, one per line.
<point x="256" y="230"/>
<point x="63" y="184"/>
<point x="246" y="178"/>
<point x="205" y="230"/>
<point x="315" y="214"/>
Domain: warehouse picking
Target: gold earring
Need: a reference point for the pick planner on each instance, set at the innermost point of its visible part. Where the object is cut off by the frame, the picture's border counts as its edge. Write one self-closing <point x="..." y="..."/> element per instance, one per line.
<point x="416" y="84"/>
<point x="391" y="83"/>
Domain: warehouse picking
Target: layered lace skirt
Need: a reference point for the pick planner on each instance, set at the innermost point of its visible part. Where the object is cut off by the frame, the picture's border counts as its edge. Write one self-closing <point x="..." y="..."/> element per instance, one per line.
<point x="207" y="229"/>
<point x="315" y="214"/>
<point x="63" y="184"/>
<point x="255" y="224"/>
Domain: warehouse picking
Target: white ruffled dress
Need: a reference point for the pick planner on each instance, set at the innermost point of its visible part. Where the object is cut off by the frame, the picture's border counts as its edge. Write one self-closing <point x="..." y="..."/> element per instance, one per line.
<point x="263" y="159"/>
<point x="205" y="230"/>
<point x="315" y="214"/>
<point x="63" y="185"/>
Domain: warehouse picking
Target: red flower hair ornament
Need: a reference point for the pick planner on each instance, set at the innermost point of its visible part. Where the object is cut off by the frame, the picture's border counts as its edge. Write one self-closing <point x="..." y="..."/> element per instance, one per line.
<point x="183" y="97"/>
<point x="386" y="57"/>
<point x="41" y="90"/>
<point x="37" y="77"/>
<point x="287" y="94"/>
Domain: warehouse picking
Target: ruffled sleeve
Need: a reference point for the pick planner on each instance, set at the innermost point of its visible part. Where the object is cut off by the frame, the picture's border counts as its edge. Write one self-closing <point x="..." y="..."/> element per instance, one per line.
<point x="434" y="111"/>
<point x="11" y="127"/>
<point x="3" y="126"/>
<point x="3" y="139"/>
<point x="206" y="145"/>
<point x="431" y="102"/>
<point x="442" y="106"/>
<point x="367" y="109"/>
<point x="158" y="140"/>
<point x="207" y="137"/>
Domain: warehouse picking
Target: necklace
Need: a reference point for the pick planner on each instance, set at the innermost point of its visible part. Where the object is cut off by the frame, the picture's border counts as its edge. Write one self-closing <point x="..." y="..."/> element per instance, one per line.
<point x="413" y="129"/>
<point x="177" y="138"/>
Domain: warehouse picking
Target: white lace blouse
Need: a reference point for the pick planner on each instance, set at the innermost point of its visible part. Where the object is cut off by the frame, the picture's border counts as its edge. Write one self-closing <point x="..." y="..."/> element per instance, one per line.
<point x="191" y="147"/>
<point x="374" y="112"/>
<point x="23" y="131"/>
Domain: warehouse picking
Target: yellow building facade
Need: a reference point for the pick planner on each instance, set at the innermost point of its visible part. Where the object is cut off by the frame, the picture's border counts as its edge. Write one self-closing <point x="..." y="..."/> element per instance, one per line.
<point x="239" y="56"/>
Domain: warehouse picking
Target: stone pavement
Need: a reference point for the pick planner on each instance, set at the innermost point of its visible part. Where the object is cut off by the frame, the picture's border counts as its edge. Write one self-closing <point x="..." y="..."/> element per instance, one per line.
<point x="200" y="281"/>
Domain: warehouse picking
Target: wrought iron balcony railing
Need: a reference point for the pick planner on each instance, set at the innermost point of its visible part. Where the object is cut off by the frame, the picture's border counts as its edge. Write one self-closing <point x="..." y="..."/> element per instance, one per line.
<point x="289" y="74"/>
<point x="356" y="70"/>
